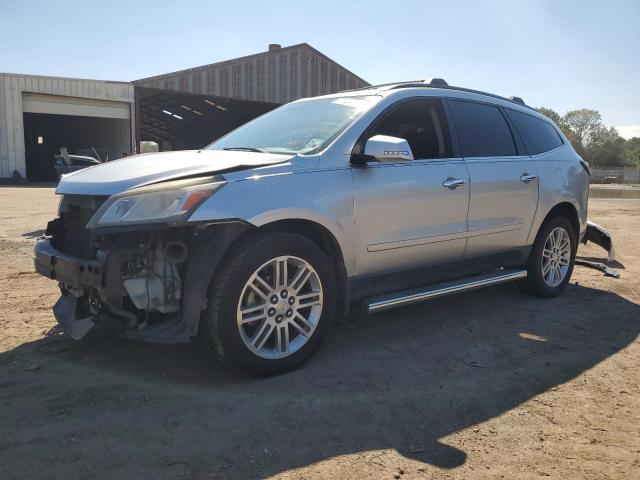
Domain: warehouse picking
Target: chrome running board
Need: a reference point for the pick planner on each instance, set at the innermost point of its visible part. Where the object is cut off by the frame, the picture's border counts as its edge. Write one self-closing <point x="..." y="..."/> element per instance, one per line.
<point x="399" y="299"/>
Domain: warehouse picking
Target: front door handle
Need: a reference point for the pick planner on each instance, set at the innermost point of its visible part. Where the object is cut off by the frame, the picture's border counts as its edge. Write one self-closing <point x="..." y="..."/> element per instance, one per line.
<point x="526" y="178"/>
<point x="453" y="183"/>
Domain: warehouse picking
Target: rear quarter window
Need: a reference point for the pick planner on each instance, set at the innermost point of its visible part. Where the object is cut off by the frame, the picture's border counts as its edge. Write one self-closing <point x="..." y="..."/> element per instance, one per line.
<point x="482" y="129"/>
<point x="538" y="135"/>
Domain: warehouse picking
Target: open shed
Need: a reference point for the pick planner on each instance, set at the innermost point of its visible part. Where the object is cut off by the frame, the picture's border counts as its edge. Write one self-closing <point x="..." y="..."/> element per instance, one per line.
<point x="39" y="115"/>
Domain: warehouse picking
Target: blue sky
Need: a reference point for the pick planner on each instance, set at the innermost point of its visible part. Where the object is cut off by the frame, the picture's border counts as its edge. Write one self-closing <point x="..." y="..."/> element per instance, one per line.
<point x="560" y="54"/>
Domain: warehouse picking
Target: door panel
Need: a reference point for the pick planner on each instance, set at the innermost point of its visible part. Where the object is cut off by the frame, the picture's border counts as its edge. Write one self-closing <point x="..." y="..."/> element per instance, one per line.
<point x="502" y="206"/>
<point x="405" y="217"/>
<point x="503" y="188"/>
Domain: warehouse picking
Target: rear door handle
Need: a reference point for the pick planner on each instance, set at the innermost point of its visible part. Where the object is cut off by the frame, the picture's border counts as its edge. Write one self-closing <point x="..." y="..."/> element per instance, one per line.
<point x="526" y="178"/>
<point x="453" y="183"/>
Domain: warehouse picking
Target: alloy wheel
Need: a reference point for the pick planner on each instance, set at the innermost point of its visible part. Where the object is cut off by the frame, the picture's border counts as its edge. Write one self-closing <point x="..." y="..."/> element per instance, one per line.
<point x="556" y="257"/>
<point x="280" y="307"/>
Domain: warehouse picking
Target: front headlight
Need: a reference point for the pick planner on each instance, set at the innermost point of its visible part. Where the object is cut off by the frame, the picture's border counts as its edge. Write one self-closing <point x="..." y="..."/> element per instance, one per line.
<point x="168" y="201"/>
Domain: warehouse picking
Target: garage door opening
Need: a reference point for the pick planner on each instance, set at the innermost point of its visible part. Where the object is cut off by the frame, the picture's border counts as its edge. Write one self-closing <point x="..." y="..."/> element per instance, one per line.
<point x="89" y="127"/>
<point x="45" y="134"/>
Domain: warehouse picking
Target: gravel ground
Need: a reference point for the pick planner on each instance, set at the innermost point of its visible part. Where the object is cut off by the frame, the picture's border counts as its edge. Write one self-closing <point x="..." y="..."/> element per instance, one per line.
<point x="489" y="384"/>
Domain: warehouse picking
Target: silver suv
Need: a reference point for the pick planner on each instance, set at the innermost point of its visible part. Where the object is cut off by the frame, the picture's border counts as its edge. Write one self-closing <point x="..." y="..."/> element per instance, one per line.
<point x="379" y="197"/>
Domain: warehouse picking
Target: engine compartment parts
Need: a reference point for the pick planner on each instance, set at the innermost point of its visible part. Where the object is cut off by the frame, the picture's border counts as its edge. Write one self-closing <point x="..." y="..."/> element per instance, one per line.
<point x="136" y="276"/>
<point x="157" y="286"/>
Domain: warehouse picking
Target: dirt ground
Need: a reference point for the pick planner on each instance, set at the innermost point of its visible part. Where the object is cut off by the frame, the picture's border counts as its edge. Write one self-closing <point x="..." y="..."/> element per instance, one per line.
<point x="490" y="384"/>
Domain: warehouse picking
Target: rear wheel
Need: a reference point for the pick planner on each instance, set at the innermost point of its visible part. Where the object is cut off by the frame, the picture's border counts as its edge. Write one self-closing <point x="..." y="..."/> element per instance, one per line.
<point x="552" y="258"/>
<point x="270" y="304"/>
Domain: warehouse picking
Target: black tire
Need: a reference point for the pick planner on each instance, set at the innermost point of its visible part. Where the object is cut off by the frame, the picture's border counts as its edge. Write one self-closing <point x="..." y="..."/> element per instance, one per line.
<point x="219" y="329"/>
<point x="535" y="283"/>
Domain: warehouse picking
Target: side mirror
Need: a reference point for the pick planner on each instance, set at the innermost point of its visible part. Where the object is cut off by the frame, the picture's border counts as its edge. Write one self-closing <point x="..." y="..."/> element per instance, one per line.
<point x="385" y="148"/>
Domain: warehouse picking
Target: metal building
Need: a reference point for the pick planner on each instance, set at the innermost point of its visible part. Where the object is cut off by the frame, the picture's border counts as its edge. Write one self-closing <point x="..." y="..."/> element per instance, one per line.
<point x="186" y="109"/>
<point x="278" y="76"/>
<point x="38" y="115"/>
<point x="190" y="108"/>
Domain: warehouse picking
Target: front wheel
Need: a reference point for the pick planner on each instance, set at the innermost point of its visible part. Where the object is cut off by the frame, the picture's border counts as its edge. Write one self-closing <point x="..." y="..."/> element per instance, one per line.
<point x="270" y="304"/>
<point x="552" y="258"/>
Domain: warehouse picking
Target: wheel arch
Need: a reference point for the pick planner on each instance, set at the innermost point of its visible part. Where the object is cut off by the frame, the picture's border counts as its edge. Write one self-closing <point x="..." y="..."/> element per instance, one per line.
<point x="326" y="241"/>
<point x="563" y="209"/>
<point x="216" y="242"/>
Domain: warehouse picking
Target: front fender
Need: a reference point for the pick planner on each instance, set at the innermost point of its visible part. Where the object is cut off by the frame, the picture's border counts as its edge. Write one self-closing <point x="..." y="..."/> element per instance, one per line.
<point x="324" y="197"/>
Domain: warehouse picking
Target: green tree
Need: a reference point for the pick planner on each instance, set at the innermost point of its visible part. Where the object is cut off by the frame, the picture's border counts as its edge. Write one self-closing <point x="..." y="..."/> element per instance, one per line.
<point x="552" y="114"/>
<point x="604" y="147"/>
<point x="582" y="123"/>
<point x="631" y="152"/>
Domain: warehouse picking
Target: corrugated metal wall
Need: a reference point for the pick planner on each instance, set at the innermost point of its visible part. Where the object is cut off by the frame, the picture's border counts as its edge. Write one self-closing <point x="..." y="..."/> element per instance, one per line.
<point x="12" y="149"/>
<point x="277" y="76"/>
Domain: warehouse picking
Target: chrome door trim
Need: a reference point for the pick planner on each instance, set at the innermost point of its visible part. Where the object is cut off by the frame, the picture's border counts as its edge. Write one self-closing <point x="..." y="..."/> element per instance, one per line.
<point x="414" y="242"/>
<point x="488" y="231"/>
<point x="414" y="163"/>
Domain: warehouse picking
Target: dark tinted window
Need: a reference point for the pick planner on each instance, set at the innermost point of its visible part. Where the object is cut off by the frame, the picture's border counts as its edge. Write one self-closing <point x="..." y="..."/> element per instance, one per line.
<point x="538" y="135"/>
<point x="482" y="129"/>
<point x="422" y="124"/>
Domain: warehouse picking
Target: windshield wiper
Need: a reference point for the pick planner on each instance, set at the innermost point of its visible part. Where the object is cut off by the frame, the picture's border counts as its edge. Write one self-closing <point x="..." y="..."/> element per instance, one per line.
<point x="245" y="149"/>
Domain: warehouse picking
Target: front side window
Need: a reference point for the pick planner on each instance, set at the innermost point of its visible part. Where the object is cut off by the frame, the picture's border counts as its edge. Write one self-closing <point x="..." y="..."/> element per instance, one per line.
<point x="422" y="124"/>
<point x="482" y="130"/>
<point x="301" y="127"/>
<point x="538" y="135"/>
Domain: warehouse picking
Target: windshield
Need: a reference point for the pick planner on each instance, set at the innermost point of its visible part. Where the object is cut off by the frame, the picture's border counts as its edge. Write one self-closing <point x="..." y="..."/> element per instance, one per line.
<point x="301" y="127"/>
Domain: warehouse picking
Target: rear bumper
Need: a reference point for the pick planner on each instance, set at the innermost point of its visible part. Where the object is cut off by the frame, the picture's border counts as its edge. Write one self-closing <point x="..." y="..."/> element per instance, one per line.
<point x="71" y="271"/>
<point x="600" y="236"/>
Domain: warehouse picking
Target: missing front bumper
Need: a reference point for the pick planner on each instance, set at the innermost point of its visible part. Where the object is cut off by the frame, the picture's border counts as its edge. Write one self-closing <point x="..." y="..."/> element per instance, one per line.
<point x="95" y="289"/>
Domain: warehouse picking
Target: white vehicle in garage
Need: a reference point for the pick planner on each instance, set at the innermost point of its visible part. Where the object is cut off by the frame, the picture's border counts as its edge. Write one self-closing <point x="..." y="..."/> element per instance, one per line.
<point x="379" y="197"/>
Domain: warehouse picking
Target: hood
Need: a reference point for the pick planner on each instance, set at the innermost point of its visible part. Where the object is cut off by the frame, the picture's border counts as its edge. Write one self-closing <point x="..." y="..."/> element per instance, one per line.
<point x="129" y="172"/>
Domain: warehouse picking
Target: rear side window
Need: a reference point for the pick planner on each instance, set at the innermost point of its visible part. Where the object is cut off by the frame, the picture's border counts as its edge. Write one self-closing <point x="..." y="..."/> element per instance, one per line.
<point x="483" y="130"/>
<point x="538" y="135"/>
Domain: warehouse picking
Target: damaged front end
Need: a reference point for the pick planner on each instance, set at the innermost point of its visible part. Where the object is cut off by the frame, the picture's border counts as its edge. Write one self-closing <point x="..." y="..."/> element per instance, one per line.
<point x="135" y="276"/>
<point x="136" y="273"/>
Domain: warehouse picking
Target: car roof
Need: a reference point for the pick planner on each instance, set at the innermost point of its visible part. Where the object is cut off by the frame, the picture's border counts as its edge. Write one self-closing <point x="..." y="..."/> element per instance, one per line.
<point x="441" y="84"/>
<point x="440" y="88"/>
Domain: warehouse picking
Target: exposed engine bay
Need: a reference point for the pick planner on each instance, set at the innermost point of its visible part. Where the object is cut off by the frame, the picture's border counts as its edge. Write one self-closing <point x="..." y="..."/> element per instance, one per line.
<point x="134" y="275"/>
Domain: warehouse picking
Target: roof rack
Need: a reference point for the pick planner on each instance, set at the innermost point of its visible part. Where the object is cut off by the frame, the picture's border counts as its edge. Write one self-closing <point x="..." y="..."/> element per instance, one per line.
<point x="439" y="83"/>
<point x="369" y="87"/>
<point x="429" y="82"/>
